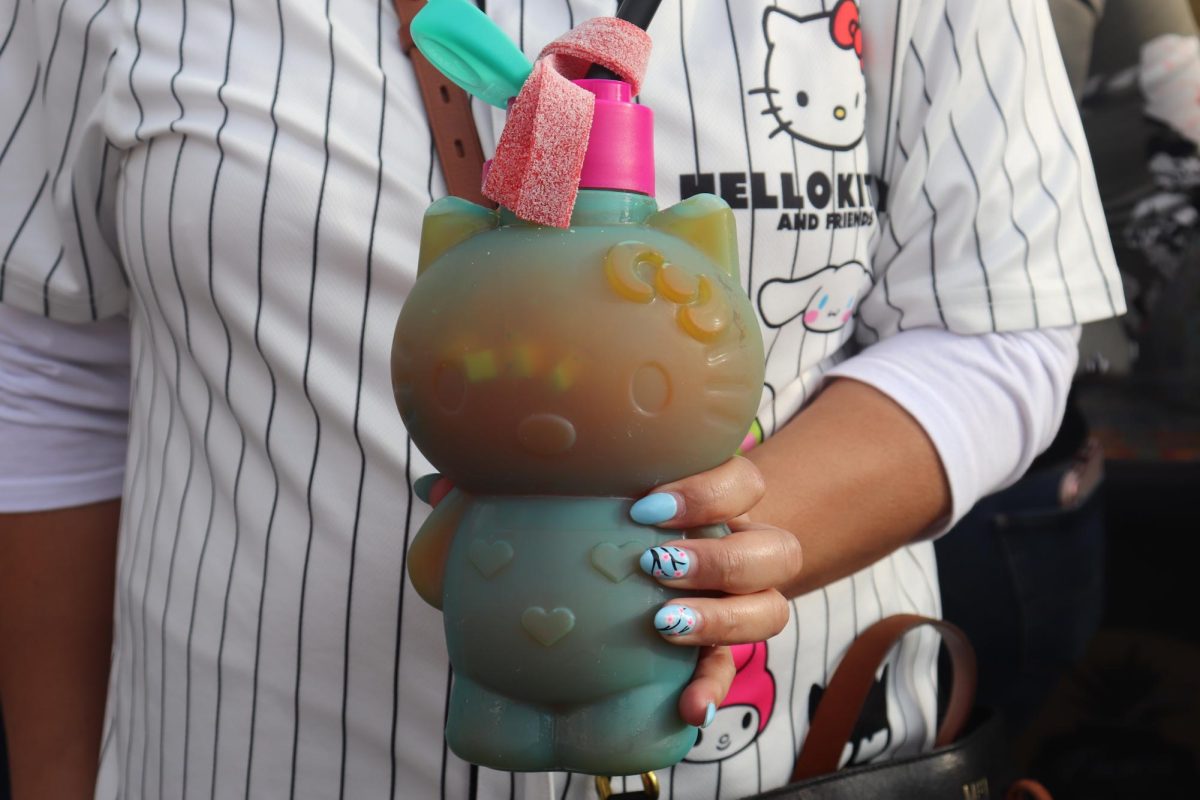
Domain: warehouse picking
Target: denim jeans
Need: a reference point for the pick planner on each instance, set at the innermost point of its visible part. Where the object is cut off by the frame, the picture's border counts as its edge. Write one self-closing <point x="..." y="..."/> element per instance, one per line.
<point x="1024" y="577"/>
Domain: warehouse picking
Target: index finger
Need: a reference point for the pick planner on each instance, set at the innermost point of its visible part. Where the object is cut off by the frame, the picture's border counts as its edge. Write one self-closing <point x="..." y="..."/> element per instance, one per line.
<point x="707" y="498"/>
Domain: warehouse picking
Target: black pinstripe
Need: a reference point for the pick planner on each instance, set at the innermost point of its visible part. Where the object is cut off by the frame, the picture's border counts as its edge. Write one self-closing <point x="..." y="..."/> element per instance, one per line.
<point x="408" y="519"/>
<point x="891" y="228"/>
<point x="12" y="26"/>
<point x="312" y="472"/>
<point x="37" y="74"/>
<point x="362" y="338"/>
<point x="258" y="314"/>
<point x="925" y="192"/>
<point x="1087" y="222"/>
<point x="897" y="656"/>
<point x="887" y="127"/>
<point x="20" y="229"/>
<point x="687" y="82"/>
<point x="774" y="419"/>
<point x="83" y="59"/>
<point x="162" y="471"/>
<point x="987" y="286"/>
<point x="125" y="593"/>
<point x="445" y="717"/>
<point x="103" y="171"/>
<point x="62" y="7"/>
<point x="400" y="617"/>
<point x="1040" y="159"/>
<point x="83" y="254"/>
<point x="825" y="657"/>
<point x="1012" y="206"/>
<point x="137" y="18"/>
<point x="241" y="455"/>
<point x="187" y="481"/>
<point x="46" y="284"/>
<point x="749" y="265"/>
<point x="777" y="332"/>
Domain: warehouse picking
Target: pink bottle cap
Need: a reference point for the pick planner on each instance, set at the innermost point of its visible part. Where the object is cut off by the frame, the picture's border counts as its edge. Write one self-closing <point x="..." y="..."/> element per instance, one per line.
<point x="620" y="151"/>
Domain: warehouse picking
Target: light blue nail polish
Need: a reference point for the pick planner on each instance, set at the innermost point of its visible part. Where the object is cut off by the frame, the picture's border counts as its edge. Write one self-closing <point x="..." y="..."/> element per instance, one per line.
<point x="675" y="620"/>
<point x="709" y="714"/>
<point x="654" y="508"/>
<point x="668" y="563"/>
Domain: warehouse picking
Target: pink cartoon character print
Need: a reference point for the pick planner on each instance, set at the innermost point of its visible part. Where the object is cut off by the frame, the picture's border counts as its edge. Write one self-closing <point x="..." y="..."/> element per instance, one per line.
<point x="813" y="80"/>
<point x="745" y="712"/>
<point x="825" y="300"/>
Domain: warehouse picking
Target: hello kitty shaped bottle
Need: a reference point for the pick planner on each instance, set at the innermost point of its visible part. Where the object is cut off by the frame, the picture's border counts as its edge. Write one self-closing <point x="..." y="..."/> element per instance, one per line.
<point x="554" y="376"/>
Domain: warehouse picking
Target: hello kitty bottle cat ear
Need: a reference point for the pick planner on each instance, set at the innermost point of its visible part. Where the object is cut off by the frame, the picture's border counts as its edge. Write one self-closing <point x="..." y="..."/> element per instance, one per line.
<point x="707" y="222"/>
<point x="449" y="222"/>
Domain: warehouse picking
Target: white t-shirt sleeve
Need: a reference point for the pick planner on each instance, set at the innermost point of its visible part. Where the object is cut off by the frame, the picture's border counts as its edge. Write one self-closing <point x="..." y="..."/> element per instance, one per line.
<point x="992" y="220"/>
<point x="64" y="398"/>
<point x="990" y="402"/>
<point x="58" y="172"/>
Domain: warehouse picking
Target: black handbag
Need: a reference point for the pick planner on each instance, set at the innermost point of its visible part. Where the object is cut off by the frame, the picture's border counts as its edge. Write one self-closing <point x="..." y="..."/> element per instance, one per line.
<point x="970" y="759"/>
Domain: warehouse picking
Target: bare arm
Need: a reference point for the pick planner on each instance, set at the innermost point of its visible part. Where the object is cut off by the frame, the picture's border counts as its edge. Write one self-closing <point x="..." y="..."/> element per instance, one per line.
<point x="56" y="611"/>
<point x="854" y="477"/>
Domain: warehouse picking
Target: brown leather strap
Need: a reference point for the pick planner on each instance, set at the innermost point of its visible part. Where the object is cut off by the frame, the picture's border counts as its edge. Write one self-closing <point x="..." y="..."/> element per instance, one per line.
<point x="1027" y="789"/>
<point x="449" y="112"/>
<point x="839" y="709"/>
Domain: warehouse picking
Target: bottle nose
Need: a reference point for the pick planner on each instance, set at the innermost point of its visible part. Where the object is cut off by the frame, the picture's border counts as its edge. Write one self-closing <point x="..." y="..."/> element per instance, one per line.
<point x="546" y="434"/>
<point x="839" y="112"/>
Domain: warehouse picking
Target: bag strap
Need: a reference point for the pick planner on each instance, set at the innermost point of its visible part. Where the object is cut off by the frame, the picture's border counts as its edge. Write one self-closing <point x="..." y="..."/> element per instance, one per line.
<point x="449" y="112"/>
<point x="840" y="707"/>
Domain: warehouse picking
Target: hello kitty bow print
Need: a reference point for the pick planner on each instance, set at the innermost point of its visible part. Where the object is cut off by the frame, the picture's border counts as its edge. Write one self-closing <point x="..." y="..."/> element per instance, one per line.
<point x="847" y="31"/>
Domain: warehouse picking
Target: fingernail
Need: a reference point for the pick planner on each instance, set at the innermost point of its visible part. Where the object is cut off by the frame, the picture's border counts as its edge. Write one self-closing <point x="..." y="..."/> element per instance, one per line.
<point x="709" y="714"/>
<point x="666" y="562"/>
<point x="654" y="508"/>
<point x="423" y="485"/>
<point x="675" y="620"/>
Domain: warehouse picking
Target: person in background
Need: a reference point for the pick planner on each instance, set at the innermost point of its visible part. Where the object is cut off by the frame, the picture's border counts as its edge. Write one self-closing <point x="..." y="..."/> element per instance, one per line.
<point x="1141" y="112"/>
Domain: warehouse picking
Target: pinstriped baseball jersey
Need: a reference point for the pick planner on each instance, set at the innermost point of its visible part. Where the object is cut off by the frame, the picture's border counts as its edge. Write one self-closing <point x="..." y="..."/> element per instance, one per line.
<point x="245" y="180"/>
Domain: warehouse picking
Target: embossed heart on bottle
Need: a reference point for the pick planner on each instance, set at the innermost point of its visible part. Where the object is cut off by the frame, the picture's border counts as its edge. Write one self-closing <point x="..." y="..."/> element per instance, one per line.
<point x="547" y="627"/>
<point x="617" y="563"/>
<point x="490" y="557"/>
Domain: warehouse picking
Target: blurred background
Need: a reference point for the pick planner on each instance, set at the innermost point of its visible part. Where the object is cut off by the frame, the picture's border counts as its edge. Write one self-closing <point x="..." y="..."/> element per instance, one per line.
<point x="1074" y="584"/>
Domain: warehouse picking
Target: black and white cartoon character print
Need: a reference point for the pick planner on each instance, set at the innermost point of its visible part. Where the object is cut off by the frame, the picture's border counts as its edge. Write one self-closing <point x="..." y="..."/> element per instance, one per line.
<point x="806" y="103"/>
<point x="825" y="300"/>
<point x="872" y="733"/>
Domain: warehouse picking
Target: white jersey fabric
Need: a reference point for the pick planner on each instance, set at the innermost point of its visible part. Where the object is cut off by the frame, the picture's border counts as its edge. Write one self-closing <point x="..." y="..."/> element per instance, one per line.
<point x="243" y="179"/>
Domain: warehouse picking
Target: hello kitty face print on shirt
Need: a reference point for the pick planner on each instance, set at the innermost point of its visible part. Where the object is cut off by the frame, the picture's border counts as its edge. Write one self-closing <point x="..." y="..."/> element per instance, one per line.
<point x="803" y="190"/>
<point x="808" y="107"/>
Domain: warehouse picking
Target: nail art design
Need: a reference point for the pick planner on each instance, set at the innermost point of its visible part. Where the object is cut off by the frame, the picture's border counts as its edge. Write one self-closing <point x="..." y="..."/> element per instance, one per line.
<point x="675" y="620"/>
<point x="709" y="715"/>
<point x="654" y="508"/>
<point x="666" y="562"/>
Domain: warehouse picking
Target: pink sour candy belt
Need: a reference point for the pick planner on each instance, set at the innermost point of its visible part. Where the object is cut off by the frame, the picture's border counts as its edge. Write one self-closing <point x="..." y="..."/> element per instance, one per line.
<point x="539" y="158"/>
